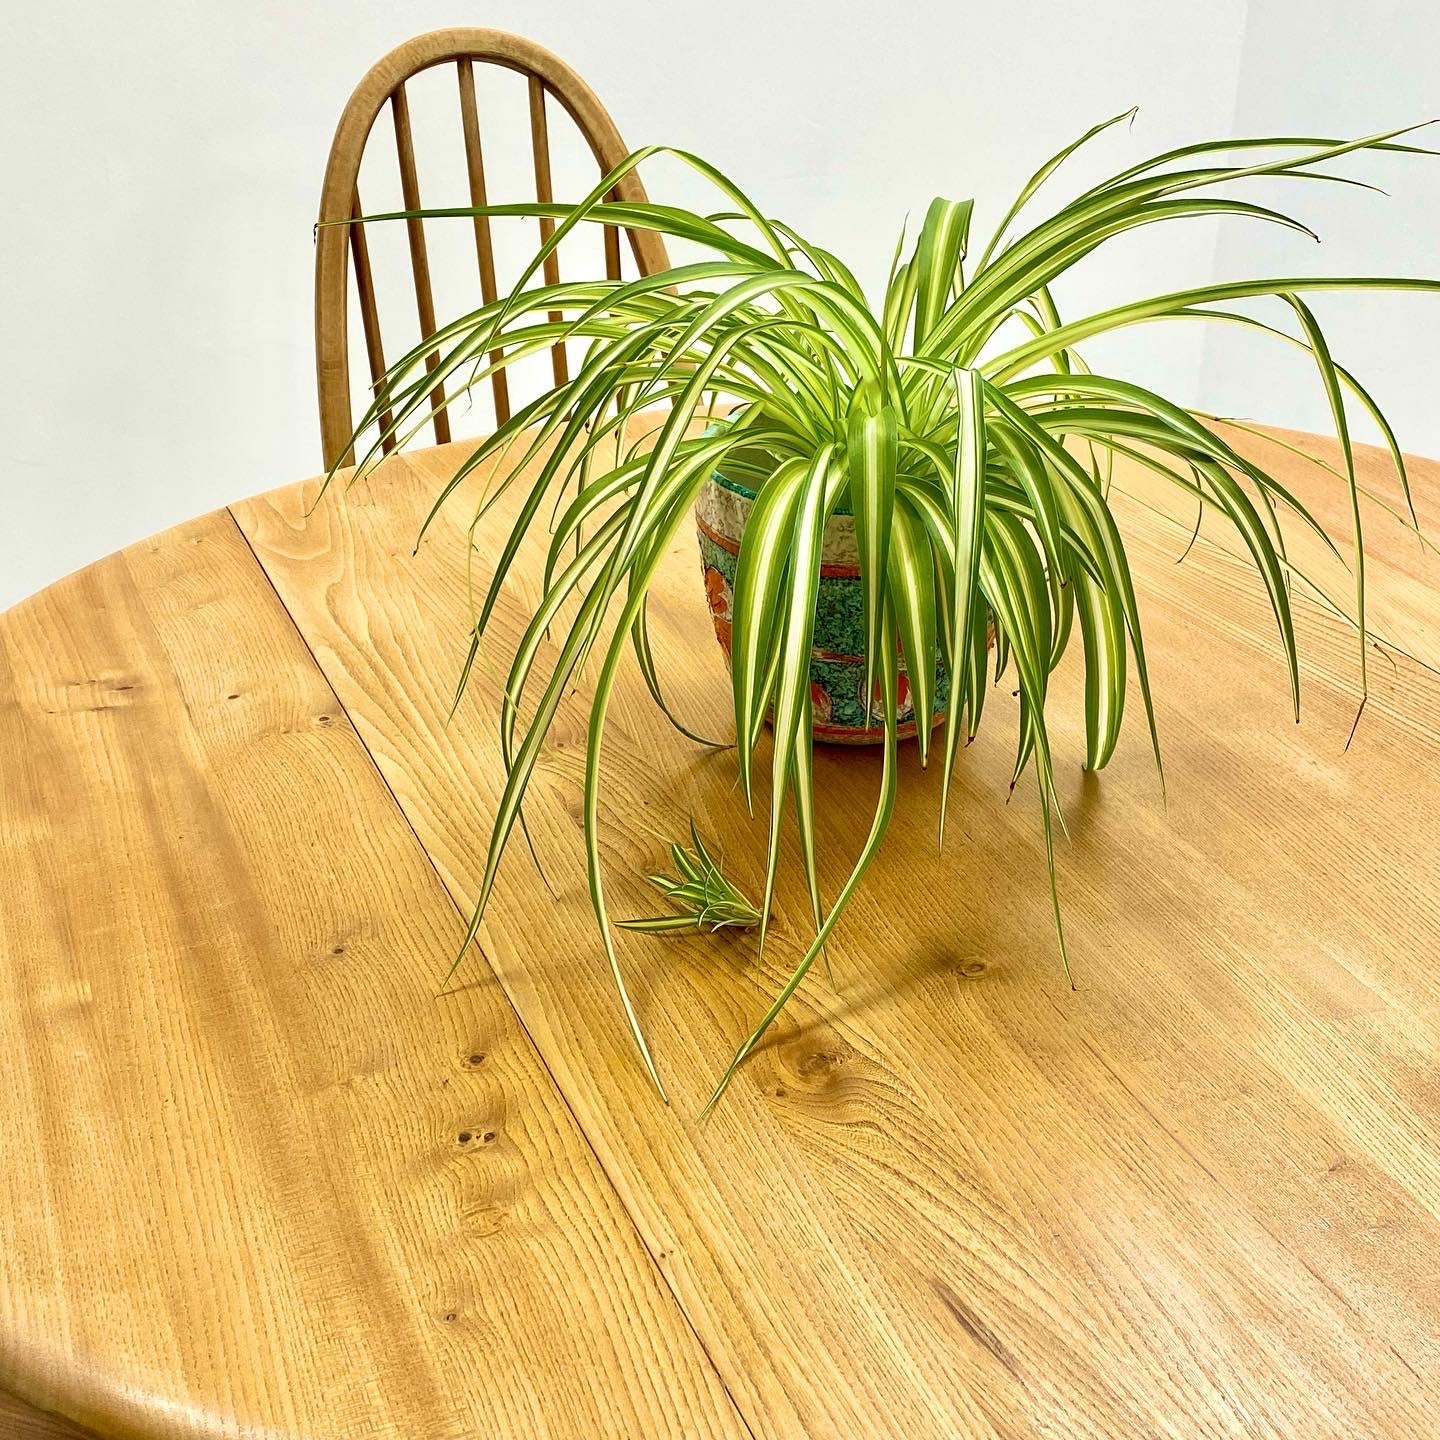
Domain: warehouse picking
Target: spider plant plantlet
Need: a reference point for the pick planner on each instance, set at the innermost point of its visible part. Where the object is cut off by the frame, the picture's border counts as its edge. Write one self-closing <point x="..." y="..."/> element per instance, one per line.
<point x="952" y="426"/>
<point x="702" y="897"/>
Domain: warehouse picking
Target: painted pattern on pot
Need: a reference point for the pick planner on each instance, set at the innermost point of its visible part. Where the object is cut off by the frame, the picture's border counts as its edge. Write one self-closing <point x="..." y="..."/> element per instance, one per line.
<point x="843" y="713"/>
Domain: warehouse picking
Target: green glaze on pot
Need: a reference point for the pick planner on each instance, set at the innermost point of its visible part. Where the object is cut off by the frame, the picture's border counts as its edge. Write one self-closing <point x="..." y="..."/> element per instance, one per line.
<point x="837" y="655"/>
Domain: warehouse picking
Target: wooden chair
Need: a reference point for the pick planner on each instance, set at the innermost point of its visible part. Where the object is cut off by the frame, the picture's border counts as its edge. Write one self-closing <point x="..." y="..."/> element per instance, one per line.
<point x="548" y="77"/>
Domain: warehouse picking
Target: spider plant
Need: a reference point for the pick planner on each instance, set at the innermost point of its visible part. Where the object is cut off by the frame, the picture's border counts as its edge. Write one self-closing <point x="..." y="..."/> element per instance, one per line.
<point x="953" y="416"/>
<point x="701" y="896"/>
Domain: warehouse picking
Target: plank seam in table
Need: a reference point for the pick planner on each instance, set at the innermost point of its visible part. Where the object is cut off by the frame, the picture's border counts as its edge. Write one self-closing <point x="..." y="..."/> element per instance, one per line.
<point x="519" y="1019"/>
<point x="839" y="1021"/>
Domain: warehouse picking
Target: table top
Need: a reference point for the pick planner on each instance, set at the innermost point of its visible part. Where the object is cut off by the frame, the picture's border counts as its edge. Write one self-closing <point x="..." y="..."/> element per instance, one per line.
<point x="261" y="1178"/>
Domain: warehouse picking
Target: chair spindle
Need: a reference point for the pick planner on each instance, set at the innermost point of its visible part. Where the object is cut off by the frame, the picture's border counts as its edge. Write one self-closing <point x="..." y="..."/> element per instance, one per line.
<point x="484" y="245"/>
<point x="544" y="193"/>
<point x="370" y="318"/>
<point x="419" y="260"/>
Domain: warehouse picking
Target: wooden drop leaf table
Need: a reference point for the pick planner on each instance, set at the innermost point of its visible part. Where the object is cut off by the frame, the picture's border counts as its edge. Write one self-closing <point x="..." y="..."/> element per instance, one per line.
<point x="260" y="1176"/>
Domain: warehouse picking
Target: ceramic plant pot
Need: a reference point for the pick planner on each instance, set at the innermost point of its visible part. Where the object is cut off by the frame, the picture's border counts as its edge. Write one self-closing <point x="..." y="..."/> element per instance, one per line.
<point x="844" y="714"/>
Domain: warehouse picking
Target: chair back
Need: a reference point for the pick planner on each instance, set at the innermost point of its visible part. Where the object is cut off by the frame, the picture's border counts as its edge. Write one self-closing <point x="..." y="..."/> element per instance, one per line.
<point x="341" y="250"/>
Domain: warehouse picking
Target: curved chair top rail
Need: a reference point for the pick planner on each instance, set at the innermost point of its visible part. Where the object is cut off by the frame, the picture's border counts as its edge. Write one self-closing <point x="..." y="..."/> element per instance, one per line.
<point x="337" y="246"/>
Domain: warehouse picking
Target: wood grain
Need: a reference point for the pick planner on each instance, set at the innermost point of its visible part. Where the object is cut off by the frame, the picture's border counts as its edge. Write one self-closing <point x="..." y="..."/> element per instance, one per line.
<point x="21" y="1421"/>
<point x="256" y="1177"/>
<point x="1196" y="1197"/>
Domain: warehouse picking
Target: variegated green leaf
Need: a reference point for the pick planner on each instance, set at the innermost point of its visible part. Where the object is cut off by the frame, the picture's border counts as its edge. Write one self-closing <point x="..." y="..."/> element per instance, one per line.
<point x="872" y="455"/>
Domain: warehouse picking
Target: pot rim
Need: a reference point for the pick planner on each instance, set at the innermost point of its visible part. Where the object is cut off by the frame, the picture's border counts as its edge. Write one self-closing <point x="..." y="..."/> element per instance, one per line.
<point x="737" y="487"/>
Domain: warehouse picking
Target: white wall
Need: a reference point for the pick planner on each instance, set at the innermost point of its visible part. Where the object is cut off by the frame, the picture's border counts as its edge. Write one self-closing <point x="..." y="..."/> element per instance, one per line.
<point x="1331" y="67"/>
<point x="161" y="167"/>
